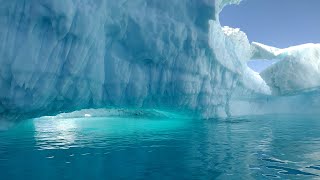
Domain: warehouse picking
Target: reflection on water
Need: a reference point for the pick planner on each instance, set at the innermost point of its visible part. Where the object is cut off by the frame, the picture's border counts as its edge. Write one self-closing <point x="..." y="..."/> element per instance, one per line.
<point x="64" y="133"/>
<point x="176" y="148"/>
<point x="55" y="133"/>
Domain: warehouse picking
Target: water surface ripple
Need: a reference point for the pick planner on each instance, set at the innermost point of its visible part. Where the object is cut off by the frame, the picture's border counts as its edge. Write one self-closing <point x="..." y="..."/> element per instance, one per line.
<point x="140" y="148"/>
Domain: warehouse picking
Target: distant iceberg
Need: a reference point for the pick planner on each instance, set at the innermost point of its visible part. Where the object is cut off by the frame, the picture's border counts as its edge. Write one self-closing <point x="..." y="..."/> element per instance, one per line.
<point x="298" y="69"/>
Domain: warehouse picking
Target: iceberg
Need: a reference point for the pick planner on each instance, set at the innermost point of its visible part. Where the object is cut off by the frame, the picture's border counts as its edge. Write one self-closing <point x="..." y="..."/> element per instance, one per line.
<point x="293" y="81"/>
<point x="298" y="68"/>
<point x="60" y="56"/>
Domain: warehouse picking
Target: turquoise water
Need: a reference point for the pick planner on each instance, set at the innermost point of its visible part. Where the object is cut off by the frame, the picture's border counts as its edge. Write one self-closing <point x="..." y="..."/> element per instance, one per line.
<point x="160" y="148"/>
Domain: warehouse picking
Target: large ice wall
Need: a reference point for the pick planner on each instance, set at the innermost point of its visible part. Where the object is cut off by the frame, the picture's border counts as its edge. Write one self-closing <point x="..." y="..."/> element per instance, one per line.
<point x="58" y="56"/>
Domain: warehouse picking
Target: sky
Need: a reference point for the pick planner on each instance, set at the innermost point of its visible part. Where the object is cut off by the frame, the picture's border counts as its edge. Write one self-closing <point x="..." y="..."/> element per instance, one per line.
<point x="279" y="23"/>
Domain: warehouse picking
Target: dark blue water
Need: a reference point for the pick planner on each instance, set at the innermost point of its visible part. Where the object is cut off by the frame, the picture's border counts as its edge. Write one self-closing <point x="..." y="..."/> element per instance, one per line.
<point x="160" y="148"/>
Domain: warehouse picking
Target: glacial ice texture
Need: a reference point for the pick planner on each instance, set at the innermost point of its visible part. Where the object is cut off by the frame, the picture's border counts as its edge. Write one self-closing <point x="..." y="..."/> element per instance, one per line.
<point x="298" y="69"/>
<point x="58" y="56"/>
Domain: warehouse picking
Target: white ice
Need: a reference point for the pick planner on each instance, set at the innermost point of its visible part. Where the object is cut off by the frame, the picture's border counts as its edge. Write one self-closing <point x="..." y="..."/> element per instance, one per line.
<point x="298" y="68"/>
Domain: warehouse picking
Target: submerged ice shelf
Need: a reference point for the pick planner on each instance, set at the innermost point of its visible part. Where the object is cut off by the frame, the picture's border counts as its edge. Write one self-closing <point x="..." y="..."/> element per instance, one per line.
<point x="59" y="56"/>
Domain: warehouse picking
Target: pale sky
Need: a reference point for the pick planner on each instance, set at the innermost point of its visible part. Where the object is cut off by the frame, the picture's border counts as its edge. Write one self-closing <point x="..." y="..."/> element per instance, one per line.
<point x="278" y="23"/>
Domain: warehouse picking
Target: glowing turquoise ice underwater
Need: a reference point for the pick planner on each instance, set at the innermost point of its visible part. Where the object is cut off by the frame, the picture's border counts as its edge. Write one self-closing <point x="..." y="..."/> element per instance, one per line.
<point x="161" y="148"/>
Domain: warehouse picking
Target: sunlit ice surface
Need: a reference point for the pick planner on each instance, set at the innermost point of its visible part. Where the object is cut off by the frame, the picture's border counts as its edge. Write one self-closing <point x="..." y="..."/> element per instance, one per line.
<point x="148" y="145"/>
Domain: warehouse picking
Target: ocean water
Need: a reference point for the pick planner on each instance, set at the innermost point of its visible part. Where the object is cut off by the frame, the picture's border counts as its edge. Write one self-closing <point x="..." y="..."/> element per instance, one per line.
<point x="267" y="147"/>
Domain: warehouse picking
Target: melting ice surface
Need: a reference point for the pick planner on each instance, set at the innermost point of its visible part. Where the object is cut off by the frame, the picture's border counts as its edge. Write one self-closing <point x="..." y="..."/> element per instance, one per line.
<point x="161" y="145"/>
